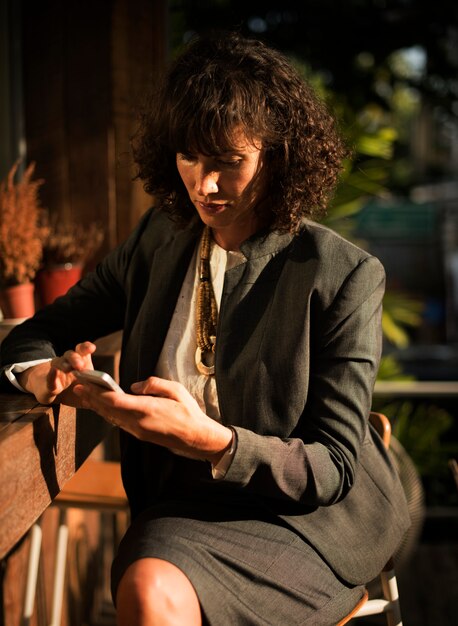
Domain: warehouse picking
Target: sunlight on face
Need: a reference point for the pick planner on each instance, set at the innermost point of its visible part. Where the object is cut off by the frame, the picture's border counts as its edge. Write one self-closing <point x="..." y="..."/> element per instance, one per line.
<point x="226" y="188"/>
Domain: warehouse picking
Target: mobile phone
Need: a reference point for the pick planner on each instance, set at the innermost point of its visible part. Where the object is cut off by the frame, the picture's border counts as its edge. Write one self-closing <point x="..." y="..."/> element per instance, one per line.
<point x="97" y="377"/>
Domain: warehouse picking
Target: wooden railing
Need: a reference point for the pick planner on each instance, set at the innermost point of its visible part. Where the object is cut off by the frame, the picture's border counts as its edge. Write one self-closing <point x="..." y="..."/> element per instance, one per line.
<point x="41" y="448"/>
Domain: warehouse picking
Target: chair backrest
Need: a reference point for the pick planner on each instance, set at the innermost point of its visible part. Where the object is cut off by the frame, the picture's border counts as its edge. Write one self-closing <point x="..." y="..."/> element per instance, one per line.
<point x="388" y="604"/>
<point x="382" y="425"/>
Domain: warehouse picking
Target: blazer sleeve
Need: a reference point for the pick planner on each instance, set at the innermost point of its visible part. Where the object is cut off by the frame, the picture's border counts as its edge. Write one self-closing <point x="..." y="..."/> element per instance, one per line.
<point x="317" y="465"/>
<point x="93" y="308"/>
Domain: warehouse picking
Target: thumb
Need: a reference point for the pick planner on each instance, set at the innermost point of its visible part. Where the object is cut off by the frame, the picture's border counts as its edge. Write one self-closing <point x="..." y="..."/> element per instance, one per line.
<point x="156" y="386"/>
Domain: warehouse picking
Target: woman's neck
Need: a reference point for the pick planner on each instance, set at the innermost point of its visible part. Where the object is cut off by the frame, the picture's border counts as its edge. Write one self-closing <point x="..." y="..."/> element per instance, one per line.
<point x="228" y="242"/>
<point x="231" y="238"/>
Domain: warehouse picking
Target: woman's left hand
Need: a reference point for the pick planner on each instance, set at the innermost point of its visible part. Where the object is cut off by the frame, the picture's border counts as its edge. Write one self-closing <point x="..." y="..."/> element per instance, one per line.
<point x="162" y="412"/>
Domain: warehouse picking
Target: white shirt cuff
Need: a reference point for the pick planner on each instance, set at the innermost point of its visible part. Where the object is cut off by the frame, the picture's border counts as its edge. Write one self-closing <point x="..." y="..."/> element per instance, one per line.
<point x="220" y="470"/>
<point x="17" y="368"/>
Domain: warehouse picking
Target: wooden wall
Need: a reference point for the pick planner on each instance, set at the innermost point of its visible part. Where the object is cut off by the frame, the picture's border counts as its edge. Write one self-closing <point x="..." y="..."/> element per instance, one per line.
<point x="87" y="64"/>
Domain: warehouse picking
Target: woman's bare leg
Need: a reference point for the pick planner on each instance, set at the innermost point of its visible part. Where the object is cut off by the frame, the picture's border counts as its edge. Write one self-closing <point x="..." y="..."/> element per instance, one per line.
<point x="154" y="592"/>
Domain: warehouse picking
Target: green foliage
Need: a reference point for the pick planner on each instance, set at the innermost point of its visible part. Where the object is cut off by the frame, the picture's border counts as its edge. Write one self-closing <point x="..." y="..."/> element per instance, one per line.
<point x="378" y="144"/>
<point x="371" y="141"/>
<point x="400" y="311"/>
<point x="390" y="369"/>
<point x="365" y="175"/>
<point x="423" y="429"/>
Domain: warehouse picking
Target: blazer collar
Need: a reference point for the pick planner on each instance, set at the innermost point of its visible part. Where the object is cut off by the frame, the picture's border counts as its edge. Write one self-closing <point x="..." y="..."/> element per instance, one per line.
<point x="265" y="243"/>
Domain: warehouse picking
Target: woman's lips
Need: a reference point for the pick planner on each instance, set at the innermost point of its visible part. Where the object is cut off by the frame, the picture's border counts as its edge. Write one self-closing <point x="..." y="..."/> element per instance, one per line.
<point x="212" y="207"/>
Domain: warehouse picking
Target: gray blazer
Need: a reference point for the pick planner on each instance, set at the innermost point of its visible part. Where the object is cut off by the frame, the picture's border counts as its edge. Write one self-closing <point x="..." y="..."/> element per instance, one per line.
<point x="298" y="347"/>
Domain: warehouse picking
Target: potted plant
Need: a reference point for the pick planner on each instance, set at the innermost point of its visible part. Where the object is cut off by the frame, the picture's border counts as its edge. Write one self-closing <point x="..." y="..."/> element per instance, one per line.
<point x="66" y="250"/>
<point x="22" y="234"/>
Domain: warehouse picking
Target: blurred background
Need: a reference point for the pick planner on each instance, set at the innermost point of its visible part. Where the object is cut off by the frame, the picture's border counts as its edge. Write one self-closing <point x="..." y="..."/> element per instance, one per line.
<point x="72" y="77"/>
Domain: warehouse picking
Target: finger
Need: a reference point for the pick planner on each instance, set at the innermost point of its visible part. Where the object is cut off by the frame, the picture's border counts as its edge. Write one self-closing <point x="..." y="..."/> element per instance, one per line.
<point x="54" y="381"/>
<point x="104" y="402"/>
<point x="85" y="348"/>
<point x="77" y="359"/>
<point x="51" y="379"/>
<point x="62" y="363"/>
<point x="98" y="396"/>
<point x="159" y="387"/>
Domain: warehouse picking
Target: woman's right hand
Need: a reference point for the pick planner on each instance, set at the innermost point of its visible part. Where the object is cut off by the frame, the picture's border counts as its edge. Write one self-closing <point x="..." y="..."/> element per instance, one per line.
<point x="53" y="380"/>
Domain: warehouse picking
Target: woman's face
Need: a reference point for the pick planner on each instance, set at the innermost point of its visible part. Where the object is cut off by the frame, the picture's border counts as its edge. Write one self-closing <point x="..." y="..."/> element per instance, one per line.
<point x="226" y="188"/>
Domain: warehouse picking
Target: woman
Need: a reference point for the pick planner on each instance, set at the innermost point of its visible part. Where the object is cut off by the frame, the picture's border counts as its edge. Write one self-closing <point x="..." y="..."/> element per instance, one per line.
<point x="250" y="348"/>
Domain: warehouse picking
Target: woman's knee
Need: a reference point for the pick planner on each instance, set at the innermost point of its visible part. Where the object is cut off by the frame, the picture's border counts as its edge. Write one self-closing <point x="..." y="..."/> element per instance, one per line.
<point x="156" y="592"/>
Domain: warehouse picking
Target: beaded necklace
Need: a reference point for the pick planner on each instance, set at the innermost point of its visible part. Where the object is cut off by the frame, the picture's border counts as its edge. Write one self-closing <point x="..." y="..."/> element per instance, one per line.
<point x="206" y="310"/>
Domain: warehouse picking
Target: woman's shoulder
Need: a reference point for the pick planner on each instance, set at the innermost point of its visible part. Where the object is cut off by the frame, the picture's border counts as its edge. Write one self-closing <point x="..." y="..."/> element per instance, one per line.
<point x="156" y="219"/>
<point x="329" y="247"/>
<point x="157" y="227"/>
<point x="331" y="261"/>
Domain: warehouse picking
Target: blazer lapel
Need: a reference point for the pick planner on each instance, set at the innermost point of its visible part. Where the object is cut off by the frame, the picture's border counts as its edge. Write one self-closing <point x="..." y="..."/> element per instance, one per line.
<point x="168" y="269"/>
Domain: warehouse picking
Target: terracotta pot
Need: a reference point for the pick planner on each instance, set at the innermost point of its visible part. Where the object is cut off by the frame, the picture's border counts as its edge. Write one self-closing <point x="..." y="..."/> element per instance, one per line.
<point x="17" y="302"/>
<point x="55" y="281"/>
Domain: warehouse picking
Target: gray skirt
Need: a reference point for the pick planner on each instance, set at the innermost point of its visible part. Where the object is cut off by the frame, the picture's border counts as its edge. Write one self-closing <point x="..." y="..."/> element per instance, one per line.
<point x="245" y="570"/>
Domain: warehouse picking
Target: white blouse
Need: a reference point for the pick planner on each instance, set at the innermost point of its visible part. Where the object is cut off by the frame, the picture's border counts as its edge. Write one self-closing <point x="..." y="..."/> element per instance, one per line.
<point x="177" y="359"/>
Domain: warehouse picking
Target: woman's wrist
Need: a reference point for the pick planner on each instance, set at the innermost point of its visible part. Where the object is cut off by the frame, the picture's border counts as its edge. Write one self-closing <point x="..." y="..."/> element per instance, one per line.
<point x="223" y="441"/>
<point x="27" y="379"/>
<point x="220" y="467"/>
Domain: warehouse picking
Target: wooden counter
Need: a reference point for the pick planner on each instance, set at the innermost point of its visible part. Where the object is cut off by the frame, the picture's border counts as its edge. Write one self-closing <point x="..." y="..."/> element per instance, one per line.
<point x="41" y="447"/>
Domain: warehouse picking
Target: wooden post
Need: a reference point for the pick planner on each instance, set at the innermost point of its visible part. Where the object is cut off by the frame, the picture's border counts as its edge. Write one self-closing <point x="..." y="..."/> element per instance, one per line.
<point x="86" y="66"/>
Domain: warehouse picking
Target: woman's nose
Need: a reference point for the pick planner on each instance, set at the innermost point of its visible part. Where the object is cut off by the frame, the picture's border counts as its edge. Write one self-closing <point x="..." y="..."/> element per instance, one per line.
<point x="207" y="183"/>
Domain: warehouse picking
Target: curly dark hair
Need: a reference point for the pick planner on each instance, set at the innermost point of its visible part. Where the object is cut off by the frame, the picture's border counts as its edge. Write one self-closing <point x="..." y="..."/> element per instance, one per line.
<point x="222" y="82"/>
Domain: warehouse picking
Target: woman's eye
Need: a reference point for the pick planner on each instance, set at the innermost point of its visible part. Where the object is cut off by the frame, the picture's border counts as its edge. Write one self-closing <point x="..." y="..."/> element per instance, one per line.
<point x="217" y="162"/>
<point x="187" y="157"/>
<point x="229" y="163"/>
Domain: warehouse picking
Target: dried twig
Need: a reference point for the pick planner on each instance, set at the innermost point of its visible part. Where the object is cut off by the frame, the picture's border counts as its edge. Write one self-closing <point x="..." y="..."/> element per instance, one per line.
<point x="22" y="232"/>
<point x="69" y="242"/>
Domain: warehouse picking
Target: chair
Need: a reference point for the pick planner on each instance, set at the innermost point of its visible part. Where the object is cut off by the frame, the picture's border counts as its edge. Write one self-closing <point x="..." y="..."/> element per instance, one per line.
<point x="388" y="604"/>
<point x="453" y="464"/>
<point x="97" y="485"/>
